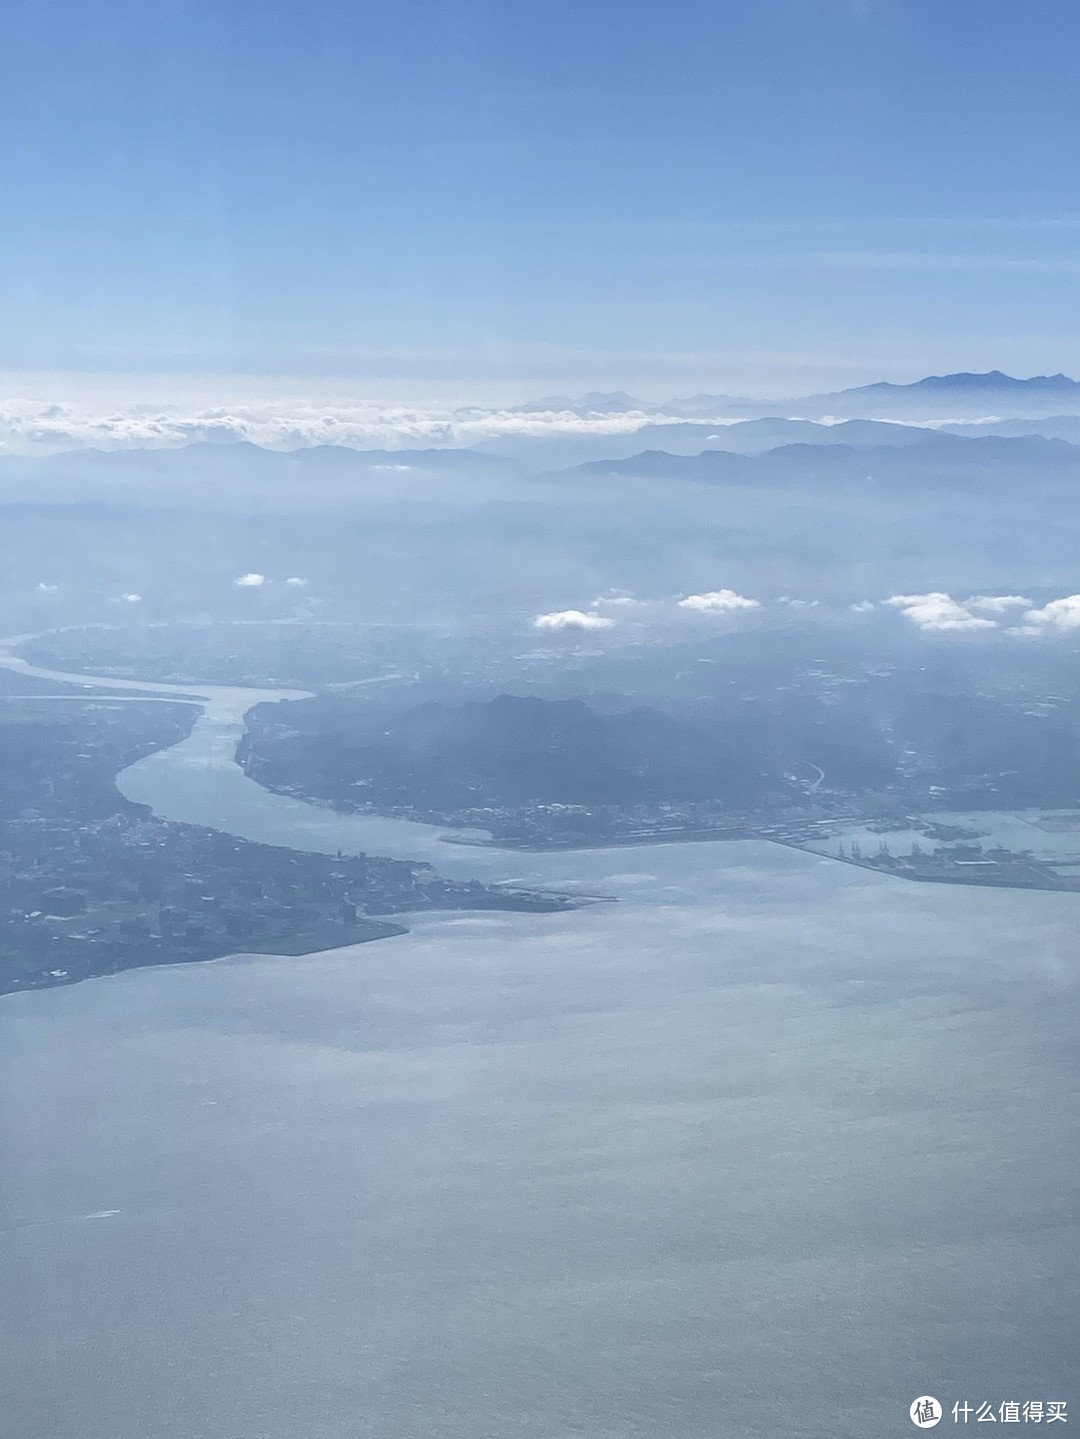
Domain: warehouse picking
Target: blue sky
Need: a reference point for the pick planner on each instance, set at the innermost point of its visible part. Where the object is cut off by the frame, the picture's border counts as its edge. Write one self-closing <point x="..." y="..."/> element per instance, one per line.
<point x="492" y="199"/>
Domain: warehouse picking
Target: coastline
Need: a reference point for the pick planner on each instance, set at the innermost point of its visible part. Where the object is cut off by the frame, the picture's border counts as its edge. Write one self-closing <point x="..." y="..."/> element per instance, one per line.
<point x="214" y="736"/>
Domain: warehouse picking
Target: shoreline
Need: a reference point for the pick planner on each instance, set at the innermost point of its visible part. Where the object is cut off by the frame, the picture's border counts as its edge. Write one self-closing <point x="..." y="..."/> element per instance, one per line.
<point x="222" y="709"/>
<point x="703" y="836"/>
<point x="231" y="704"/>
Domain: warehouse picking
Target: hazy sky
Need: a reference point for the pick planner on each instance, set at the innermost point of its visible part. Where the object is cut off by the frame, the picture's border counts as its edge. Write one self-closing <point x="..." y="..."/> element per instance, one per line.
<point x="494" y="198"/>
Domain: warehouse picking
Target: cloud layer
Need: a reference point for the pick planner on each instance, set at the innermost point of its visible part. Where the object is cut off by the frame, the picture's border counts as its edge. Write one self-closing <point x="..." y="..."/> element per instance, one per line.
<point x="934" y="611"/>
<point x="33" y="426"/>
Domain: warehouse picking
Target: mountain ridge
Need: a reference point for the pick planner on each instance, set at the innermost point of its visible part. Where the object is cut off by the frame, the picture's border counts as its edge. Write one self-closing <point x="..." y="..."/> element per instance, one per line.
<point x="962" y="386"/>
<point x="978" y="453"/>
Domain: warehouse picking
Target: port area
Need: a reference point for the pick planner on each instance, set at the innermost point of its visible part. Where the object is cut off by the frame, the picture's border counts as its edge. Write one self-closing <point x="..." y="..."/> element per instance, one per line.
<point x="1014" y="849"/>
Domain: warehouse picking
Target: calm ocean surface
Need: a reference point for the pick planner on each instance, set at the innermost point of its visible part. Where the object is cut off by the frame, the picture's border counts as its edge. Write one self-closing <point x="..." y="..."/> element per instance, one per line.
<point x="768" y="1148"/>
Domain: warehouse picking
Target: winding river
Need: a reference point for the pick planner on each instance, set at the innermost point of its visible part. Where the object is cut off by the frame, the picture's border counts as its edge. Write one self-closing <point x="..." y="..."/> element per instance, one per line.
<point x="199" y="782"/>
<point x="767" y="1149"/>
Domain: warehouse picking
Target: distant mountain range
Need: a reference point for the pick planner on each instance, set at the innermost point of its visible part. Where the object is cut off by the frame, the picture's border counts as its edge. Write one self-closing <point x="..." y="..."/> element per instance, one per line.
<point x="936" y="397"/>
<point x="234" y="476"/>
<point x="964" y="422"/>
<point x="933" y="458"/>
<point x="617" y="402"/>
<point x="966" y="381"/>
<point x="959" y="396"/>
<point x="744" y="437"/>
<point x="1052" y="427"/>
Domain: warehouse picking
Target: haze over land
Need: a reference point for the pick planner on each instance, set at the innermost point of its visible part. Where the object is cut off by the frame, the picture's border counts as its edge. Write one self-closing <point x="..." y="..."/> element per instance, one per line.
<point x="700" y="615"/>
<point x="604" y="513"/>
<point x="539" y="718"/>
<point x="282" y="415"/>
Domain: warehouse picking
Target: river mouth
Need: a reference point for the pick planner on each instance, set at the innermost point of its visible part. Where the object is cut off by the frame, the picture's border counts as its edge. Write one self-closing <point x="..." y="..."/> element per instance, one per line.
<point x="720" y="1149"/>
<point x="198" y="781"/>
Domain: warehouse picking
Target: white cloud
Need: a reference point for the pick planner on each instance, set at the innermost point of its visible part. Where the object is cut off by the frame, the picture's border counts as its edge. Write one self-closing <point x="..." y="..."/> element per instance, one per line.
<point x="44" y="589"/>
<point x="619" y="598"/>
<point x="250" y="581"/>
<point x="997" y="604"/>
<point x="572" y="620"/>
<point x="939" y="611"/>
<point x="29" y="426"/>
<point x="297" y="581"/>
<point x="863" y="607"/>
<point x="717" y="602"/>
<point x="1063" y="614"/>
<point x="131" y="598"/>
